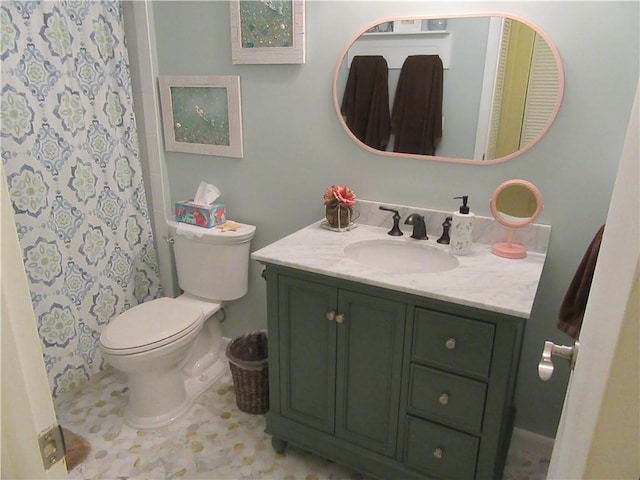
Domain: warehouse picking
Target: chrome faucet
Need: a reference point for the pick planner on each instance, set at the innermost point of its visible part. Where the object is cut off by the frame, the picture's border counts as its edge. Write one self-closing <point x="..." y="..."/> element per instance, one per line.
<point x="419" y="227"/>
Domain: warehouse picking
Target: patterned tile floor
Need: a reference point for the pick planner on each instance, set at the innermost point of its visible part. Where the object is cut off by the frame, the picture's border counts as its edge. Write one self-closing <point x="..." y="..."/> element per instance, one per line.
<point x="215" y="440"/>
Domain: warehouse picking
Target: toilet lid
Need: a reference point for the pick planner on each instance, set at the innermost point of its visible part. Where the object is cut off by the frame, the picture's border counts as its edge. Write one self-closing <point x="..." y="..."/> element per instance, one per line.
<point x="150" y="325"/>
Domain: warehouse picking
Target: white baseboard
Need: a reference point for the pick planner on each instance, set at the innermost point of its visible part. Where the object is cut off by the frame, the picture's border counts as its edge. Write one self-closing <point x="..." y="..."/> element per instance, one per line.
<point x="525" y="440"/>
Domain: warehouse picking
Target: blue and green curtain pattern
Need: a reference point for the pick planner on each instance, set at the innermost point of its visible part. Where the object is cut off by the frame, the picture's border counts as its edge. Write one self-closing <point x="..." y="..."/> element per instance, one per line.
<point x="72" y="165"/>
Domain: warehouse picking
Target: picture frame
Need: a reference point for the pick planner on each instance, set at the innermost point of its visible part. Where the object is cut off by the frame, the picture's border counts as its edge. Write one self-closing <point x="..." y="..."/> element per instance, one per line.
<point x="202" y="114"/>
<point x="407" y="25"/>
<point x="267" y="32"/>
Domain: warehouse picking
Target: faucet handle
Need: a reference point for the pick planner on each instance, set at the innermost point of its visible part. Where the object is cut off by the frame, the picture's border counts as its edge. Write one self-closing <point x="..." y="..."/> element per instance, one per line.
<point x="445" y="239"/>
<point x="395" y="231"/>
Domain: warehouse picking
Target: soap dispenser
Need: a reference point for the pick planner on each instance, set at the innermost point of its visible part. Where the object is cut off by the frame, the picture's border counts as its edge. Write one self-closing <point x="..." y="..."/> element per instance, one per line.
<point x="462" y="229"/>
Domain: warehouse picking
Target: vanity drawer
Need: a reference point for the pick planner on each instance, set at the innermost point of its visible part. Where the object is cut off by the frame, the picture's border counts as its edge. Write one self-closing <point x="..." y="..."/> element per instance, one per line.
<point x="440" y="451"/>
<point x="447" y="398"/>
<point x="451" y="342"/>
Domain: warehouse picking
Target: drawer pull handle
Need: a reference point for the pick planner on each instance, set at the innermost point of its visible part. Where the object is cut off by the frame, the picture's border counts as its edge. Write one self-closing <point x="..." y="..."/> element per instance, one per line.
<point x="340" y="318"/>
<point x="450" y="343"/>
<point x="438" y="453"/>
<point x="443" y="399"/>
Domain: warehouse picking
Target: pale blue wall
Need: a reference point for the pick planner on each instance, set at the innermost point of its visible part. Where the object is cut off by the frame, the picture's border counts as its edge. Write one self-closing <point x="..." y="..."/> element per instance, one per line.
<point x="294" y="146"/>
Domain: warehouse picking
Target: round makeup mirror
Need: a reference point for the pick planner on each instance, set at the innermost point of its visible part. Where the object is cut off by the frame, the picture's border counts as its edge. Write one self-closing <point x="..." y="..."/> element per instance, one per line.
<point x="515" y="204"/>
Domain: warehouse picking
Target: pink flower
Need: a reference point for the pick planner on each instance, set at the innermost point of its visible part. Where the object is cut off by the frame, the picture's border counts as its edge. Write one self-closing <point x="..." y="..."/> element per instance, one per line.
<point x="337" y="194"/>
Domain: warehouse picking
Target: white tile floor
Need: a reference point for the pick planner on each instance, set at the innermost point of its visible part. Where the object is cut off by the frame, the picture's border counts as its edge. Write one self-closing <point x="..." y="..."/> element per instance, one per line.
<point x="215" y="440"/>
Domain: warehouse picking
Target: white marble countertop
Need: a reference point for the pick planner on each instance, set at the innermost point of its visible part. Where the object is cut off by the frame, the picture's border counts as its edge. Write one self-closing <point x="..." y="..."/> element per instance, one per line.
<point x="482" y="280"/>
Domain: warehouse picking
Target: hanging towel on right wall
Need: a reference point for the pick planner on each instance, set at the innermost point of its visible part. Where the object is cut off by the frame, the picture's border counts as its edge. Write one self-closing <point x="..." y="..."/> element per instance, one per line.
<point x="575" y="300"/>
<point x="416" y="118"/>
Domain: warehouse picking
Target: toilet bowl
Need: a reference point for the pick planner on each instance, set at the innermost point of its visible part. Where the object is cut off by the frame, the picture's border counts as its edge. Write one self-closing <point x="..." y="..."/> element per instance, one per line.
<point x="171" y="348"/>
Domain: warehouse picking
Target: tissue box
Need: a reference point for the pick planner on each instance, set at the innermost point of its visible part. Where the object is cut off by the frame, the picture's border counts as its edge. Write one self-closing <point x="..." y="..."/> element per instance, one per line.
<point x="201" y="215"/>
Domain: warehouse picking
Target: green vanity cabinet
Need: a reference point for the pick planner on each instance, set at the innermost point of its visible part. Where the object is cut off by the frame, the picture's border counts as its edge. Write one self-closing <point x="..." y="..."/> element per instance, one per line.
<point x="390" y="384"/>
<point x="339" y="353"/>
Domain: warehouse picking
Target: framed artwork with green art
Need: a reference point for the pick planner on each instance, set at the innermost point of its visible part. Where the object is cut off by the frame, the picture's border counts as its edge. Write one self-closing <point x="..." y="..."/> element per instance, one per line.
<point x="267" y="31"/>
<point x="202" y="114"/>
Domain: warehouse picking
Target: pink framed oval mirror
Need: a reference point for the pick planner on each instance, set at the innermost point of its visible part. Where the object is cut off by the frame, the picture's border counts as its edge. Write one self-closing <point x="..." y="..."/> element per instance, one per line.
<point x="515" y="204"/>
<point x="475" y="93"/>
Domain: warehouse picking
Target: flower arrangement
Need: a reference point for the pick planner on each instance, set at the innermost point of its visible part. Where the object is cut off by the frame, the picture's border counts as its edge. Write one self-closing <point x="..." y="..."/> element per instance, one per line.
<point x="339" y="203"/>
<point x="339" y="195"/>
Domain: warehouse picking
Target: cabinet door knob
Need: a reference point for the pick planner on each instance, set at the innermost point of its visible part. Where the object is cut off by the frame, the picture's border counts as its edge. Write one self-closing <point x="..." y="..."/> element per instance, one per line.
<point x="450" y="343"/>
<point x="331" y="316"/>
<point x="443" y="399"/>
<point x="340" y="318"/>
<point x="438" y="453"/>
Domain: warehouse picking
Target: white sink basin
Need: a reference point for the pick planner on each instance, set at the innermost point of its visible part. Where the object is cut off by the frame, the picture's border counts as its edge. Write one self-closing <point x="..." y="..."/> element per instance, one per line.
<point x="401" y="256"/>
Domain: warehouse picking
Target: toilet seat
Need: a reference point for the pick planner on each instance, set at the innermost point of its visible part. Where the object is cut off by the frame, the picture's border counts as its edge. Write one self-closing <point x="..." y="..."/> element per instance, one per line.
<point x="150" y="325"/>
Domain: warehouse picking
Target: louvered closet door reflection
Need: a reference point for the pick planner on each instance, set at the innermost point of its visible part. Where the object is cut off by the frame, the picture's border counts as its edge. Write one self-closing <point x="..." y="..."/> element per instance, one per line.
<point x="542" y="91"/>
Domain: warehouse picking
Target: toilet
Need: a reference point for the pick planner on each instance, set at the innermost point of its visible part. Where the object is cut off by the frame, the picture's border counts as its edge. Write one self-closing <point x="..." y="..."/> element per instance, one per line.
<point x="170" y="348"/>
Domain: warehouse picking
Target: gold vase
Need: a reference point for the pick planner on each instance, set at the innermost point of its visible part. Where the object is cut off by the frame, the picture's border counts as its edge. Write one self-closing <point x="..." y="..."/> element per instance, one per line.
<point x="338" y="215"/>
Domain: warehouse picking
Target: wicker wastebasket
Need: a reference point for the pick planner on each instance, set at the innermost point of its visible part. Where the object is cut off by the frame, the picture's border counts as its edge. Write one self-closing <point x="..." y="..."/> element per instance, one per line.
<point x="249" y="362"/>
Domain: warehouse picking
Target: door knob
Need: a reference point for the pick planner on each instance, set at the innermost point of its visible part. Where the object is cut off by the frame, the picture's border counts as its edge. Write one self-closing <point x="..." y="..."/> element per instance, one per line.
<point x="545" y="367"/>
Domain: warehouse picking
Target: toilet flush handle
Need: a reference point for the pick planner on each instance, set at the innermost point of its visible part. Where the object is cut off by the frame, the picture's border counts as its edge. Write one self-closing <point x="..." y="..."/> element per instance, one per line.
<point x="170" y="240"/>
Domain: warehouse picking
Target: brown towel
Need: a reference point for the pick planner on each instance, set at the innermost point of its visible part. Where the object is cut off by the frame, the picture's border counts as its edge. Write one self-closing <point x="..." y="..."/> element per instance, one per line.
<point x="575" y="300"/>
<point x="417" y="108"/>
<point x="365" y="104"/>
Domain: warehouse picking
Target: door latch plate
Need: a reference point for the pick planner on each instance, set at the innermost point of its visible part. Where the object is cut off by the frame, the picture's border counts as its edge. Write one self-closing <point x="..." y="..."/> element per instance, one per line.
<point x="51" y="446"/>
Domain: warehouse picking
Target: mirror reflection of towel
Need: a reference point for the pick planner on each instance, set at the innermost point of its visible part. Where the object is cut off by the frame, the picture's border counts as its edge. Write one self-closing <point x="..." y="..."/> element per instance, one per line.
<point x="365" y="104"/>
<point x="416" y="117"/>
<point x="575" y="300"/>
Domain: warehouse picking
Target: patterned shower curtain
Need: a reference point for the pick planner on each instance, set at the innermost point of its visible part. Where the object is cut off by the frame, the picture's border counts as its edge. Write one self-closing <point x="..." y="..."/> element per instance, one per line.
<point x="71" y="159"/>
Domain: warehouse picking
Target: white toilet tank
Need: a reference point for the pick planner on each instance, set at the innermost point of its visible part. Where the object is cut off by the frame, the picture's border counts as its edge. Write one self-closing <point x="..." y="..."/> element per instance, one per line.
<point x="212" y="263"/>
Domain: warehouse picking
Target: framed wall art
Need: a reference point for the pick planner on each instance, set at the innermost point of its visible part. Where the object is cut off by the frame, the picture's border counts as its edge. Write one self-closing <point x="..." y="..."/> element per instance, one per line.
<point x="268" y="31"/>
<point x="407" y="26"/>
<point x="202" y="114"/>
